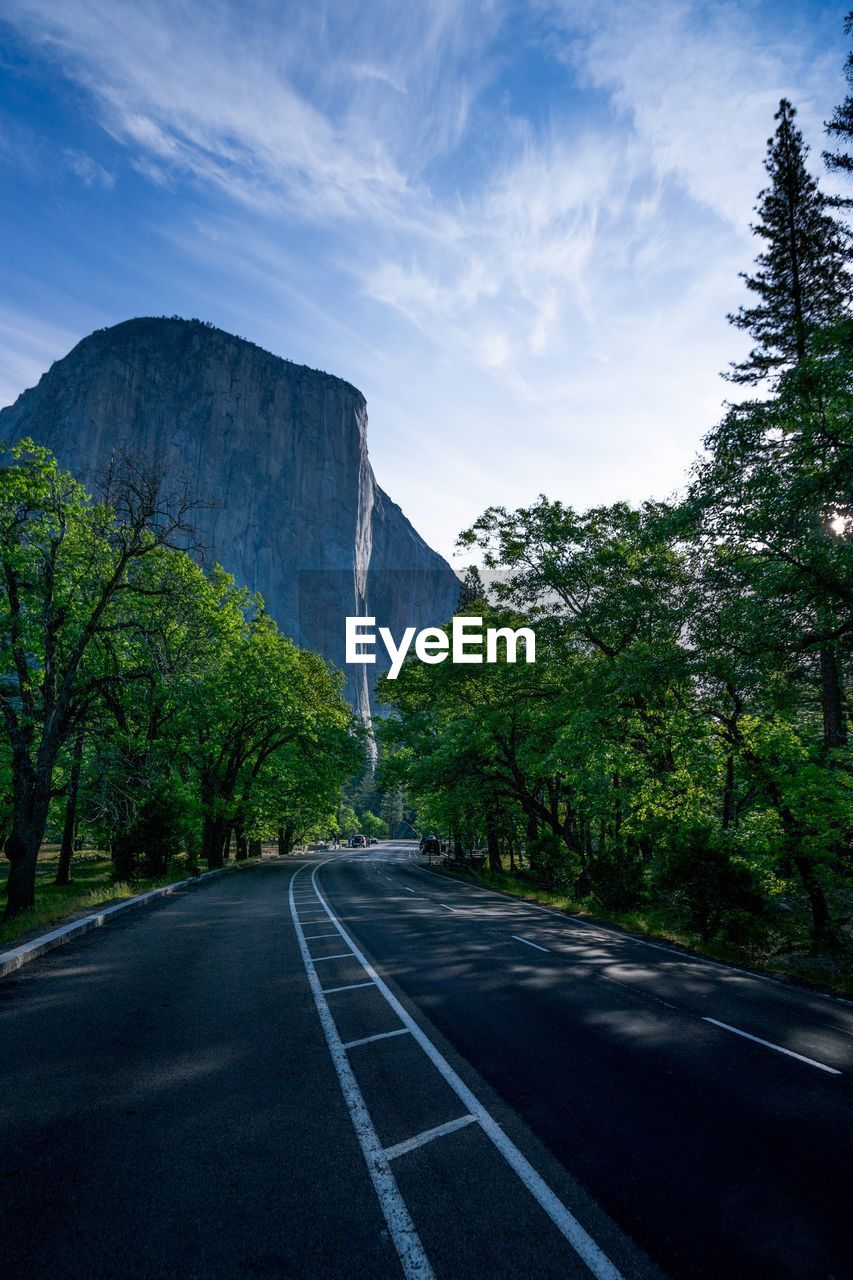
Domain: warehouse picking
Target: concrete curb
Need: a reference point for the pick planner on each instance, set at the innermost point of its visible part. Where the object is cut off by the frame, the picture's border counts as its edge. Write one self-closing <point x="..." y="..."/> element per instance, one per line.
<point x="12" y="960"/>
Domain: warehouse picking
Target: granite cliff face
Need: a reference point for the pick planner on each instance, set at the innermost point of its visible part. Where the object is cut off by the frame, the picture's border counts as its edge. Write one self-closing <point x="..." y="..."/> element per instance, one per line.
<point x="280" y="453"/>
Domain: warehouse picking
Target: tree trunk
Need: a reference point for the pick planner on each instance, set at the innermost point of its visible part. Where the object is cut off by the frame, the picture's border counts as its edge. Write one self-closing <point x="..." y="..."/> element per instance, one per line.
<point x="832" y="699"/>
<point x="254" y="848"/>
<point x="285" y="839"/>
<point x="63" y="872"/>
<point x="729" y="793"/>
<point x="493" y="845"/>
<point x="29" y="818"/>
<point x="22" y="850"/>
<point x="241" y="844"/>
<point x="213" y="842"/>
<point x="821" y="920"/>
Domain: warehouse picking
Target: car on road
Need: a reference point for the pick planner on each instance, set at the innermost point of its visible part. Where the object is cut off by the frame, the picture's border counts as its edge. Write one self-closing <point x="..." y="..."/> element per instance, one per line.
<point x="357" y="842"/>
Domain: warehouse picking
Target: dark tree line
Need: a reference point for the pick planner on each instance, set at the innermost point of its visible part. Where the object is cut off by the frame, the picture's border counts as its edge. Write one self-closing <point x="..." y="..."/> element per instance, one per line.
<point x="683" y="738"/>
<point x="153" y="703"/>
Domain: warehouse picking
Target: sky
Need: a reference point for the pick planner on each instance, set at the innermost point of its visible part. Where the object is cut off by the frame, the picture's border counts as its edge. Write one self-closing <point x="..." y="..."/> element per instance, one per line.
<point x="517" y="228"/>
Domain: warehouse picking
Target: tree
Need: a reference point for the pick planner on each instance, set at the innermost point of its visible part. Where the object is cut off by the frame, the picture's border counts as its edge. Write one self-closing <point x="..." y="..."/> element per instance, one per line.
<point x="841" y="124"/>
<point x="71" y="572"/>
<point x="802" y="281"/>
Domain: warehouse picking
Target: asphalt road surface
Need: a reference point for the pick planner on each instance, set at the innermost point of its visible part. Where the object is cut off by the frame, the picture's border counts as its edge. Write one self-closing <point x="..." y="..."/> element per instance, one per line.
<point x="350" y="1067"/>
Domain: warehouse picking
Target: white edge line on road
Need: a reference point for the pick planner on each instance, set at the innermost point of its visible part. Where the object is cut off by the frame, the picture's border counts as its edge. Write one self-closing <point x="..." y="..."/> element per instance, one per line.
<point x="380" y="1035"/>
<point x="528" y="943"/>
<point x="428" y="1135"/>
<point x="407" y="1242"/>
<point x="565" y="1221"/>
<point x="768" y="1044"/>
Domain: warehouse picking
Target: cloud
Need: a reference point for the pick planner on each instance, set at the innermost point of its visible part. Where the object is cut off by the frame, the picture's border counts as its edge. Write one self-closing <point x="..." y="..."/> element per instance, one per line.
<point x="516" y="226"/>
<point x="90" y="173"/>
<point x="699" y="83"/>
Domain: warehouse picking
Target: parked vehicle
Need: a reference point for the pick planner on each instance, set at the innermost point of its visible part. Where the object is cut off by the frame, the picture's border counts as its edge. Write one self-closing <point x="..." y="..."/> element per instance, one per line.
<point x="357" y="842"/>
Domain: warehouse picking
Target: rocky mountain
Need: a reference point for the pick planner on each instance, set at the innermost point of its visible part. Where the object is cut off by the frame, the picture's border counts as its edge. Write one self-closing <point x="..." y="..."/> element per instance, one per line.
<point x="276" y="451"/>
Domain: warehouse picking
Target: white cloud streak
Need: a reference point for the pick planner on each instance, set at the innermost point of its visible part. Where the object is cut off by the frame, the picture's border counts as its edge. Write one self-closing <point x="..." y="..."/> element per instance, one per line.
<point x="536" y="297"/>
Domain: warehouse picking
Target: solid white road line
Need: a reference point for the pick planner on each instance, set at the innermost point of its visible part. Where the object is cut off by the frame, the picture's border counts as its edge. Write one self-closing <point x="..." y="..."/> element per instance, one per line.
<point x="407" y="1242"/>
<point x="528" y="943"/>
<point x="382" y="1035"/>
<point x="768" y="1044"/>
<point x="428" y="1135"/>
<point x="349" y="986"/>
<point x="564" y="1220"/>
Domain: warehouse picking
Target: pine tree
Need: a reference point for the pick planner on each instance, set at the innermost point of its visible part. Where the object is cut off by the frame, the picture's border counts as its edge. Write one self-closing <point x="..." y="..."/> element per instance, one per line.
<point x="841" y="124"/>
<point x="472" y="592"/>
<point x="801" y="281"/>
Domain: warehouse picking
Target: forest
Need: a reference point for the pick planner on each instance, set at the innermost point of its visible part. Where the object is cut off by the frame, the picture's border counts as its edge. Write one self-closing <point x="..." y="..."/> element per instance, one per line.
<point x="149" y="706"/>
<point x="679" y="756"/>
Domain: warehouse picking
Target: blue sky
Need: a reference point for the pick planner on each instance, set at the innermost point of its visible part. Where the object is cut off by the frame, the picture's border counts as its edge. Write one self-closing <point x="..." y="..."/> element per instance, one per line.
<point x="515" y="227"/>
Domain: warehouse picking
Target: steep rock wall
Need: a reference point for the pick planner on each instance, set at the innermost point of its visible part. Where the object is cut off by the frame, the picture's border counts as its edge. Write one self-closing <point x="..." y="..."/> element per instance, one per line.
<point x="278" y="450"/>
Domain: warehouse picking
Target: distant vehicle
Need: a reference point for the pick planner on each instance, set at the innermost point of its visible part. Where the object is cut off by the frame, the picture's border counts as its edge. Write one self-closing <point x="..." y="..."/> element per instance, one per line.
<point x="357" y="842"/>
<point x="373" y="840"/>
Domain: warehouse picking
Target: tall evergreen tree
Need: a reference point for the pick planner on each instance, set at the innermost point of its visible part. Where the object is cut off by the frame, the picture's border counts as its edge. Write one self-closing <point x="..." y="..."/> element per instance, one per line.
<point x="801" y="281"/>
<point x="841" y="124"/>
<point x="472" y="593"/>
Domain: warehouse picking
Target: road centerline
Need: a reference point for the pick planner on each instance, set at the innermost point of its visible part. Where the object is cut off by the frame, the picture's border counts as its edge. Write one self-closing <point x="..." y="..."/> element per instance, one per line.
<point x="768" y="1044"/>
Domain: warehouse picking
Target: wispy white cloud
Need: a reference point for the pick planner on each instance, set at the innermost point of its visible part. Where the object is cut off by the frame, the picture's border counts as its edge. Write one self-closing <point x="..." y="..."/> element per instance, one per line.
<point x="90" y="173"/>
<point x="531" y="296"/>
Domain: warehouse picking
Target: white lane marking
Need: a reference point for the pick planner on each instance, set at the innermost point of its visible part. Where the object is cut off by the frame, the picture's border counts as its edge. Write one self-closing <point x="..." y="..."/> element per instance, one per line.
<point x="408" y="890"/>
<point x="332" y="934"/>
<point x="349" y="986"/>
<point x="564" y="1220"/>
<point x="768" y="1044"/>
<point x="679" y="957"/>
<point x="428" y="1135"/>
<point x="447" y="908"/>
<point x="528" y="943"/>
<point x="407" y="1242"/>
<point x="339" y="955"/>
<point x="382" y="1035"/>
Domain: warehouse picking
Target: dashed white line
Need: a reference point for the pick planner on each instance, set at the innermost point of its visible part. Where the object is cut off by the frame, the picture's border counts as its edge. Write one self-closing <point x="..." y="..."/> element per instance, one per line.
<point x="339" y="955"/>
<point x="447" y="908"/>
<point x="349" y="986"/>
<point x="382" y="1035"/>
<point x="528" y="943"/>
<point x="428" y="1135"/>
<point x="407" y="1242"/>
<point x="768" y="1044"/>
<point x="562" y="1217"/>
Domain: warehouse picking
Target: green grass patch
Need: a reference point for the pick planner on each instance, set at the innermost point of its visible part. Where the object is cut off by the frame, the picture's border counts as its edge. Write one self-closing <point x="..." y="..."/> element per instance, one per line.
<point x="92" y="886"/>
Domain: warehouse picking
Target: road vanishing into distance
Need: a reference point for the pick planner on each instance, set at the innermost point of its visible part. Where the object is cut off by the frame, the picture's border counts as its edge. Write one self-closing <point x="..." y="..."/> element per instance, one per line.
<point x="345" y="1065"/>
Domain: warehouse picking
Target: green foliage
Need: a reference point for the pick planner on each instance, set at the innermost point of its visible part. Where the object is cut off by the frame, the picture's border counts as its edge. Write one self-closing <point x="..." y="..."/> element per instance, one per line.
<point x="199" y="719"/>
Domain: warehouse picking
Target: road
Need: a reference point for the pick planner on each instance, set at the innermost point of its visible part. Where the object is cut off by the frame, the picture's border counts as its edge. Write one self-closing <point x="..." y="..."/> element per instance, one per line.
<point x="349" y="1066"/>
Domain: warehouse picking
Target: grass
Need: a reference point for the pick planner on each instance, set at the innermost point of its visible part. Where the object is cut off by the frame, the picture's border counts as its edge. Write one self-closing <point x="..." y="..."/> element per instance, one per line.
<point x="785" y="954"/>
<point x="92" y="886"/>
